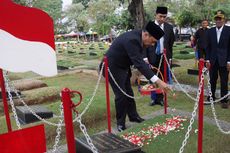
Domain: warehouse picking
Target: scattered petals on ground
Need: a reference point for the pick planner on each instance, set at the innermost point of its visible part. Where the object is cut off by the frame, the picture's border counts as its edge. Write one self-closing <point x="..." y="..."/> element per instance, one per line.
<point x="146" y="135"/>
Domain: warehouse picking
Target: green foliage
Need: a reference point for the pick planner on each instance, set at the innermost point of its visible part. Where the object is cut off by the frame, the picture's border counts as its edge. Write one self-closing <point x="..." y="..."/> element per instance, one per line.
<point x="102" y="12"/>
<point x="99" y="14"/>
<point x="186" y="18"/>
<point x="150" y="8"/>
<point x="53" y="9"/>
<point x="125" y="21"/>
<point x="21" y="2"/>
<point x="83" y="2"/>
<point x="204" y="9"/>
<point x="77" y="17"/>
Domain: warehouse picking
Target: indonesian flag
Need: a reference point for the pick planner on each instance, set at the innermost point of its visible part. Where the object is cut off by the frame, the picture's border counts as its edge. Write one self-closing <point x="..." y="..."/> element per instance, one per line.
<point x="26" y="40"/>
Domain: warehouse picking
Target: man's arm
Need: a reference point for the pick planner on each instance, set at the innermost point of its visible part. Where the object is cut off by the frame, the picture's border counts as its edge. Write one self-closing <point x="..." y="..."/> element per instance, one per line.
<point x="228" y="53"/>
<point x="208" y="49"/>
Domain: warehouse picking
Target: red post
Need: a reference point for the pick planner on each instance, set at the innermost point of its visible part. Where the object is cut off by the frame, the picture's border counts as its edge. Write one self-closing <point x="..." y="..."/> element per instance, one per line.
<point x="165" y="80"/>
<point x="67" y="105"/>
<point x="107" y="93"/>
<point x="201" y="110"/>
<point x="5" y="104"/>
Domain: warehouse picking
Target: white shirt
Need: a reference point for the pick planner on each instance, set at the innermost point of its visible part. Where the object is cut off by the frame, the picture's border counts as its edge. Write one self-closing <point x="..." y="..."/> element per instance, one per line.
<point x="218" y="33"/>
<point x="162" y="38"/>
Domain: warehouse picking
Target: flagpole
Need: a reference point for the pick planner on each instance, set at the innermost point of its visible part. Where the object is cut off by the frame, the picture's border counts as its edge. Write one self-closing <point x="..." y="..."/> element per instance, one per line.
<point x="5" y="104"/>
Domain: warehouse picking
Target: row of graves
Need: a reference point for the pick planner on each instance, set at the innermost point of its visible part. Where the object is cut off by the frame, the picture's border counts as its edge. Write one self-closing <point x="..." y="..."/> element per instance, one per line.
<point x="22" y="90"/>
<point x="69" y="53"/>
<point x="34" y="44"/>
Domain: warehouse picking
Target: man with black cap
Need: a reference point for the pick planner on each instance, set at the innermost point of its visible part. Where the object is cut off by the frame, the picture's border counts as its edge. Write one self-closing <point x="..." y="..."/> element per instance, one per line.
<point x="165" y="42"/>
<point x="218" y="56"/>
<point x="125" y="51"/>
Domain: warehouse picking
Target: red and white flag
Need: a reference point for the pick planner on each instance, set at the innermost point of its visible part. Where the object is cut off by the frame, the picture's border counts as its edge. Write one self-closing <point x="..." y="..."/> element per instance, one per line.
<point x="26" y="40"/>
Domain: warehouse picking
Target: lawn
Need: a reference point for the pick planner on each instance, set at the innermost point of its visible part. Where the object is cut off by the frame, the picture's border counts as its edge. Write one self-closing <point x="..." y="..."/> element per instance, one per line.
<point x="95" y="117"/>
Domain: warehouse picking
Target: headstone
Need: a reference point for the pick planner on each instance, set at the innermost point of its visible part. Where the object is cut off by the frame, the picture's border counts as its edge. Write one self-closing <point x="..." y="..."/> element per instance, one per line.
<point x="82" y="53"/>
<point x="12" y="93"/>
<point x="71" y="52"/>
<point x="107" y="143"/>
<point x="193" y="71"/>
<point x="62" y="67"/>
<point x="91" y="48"/>
<point x="92" y="54"/>
<point x="184" y="52"/>
<point x="175" y="65"/>
<point x="25" y="116"/>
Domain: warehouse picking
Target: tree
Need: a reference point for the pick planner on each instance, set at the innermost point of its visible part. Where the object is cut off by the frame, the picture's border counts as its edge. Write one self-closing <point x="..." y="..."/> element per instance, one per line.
<point x="136" y="10"/>
<point x="102" y="15"/>
<point x="53" y="9"/>
<point x="21" y="2"/>
<point x="185" y="18"/>
<point x="77" y="20"/>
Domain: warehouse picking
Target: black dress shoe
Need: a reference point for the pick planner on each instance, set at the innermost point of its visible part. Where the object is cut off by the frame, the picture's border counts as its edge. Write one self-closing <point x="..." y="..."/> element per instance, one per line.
<point x="152" y="103"/>
<point x="224" y="105"/>
<point x="120" y="128"/>
<point x="137" y="119"/>
<point x="161" y="102"/>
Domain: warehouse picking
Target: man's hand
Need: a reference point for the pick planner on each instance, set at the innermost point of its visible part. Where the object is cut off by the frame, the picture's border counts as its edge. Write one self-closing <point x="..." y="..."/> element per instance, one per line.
<point x="146" y="60"/>
<point x="163" y="85"/>
<point x="208" y="65"/>
<point x="228" y="66"/>
<point x="170" y="62"/>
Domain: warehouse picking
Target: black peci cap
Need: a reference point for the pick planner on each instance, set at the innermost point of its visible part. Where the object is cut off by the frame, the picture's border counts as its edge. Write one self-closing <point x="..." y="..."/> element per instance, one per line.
<point x="154" y="30"/>
<point x="162" y="10"/>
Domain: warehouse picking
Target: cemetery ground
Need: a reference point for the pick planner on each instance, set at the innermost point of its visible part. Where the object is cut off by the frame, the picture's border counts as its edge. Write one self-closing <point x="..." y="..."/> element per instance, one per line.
<point x="80" y="63"/>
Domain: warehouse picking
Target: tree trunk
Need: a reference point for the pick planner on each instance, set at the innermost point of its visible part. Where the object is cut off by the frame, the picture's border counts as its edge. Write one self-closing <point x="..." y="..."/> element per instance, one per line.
<point x="136" y="10"/>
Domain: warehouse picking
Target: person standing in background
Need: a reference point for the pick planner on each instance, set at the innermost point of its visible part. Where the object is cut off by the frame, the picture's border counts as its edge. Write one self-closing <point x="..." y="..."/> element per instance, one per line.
<point x="166" y="42"/>
<point x="218" y="56"/>
<point x="193" y="45"/>
<point x="200" y="39"/>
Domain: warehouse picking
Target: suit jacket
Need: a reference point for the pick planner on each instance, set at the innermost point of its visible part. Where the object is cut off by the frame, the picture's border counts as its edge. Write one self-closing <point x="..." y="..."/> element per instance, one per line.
<point x="218" y="52"/>
<point x="169" y="39"/>
<point x="201" y="38"/>
<point x="127" y="50"/>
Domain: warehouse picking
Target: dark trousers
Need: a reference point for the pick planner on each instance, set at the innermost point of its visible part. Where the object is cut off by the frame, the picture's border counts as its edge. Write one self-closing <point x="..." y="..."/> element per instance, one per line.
<point x="123" y="104"/>
<point x="159" y="97"/>
<point x="223" y="79"/>
<point x="201" y="53"/>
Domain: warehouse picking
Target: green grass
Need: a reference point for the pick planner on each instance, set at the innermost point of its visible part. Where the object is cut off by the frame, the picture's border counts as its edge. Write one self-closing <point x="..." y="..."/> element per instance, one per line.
<point x="67" y="63"/>
<point x="171" y="142"/>
<point x="181" y="72"/>
<point x="183" y="56"/>
<point x="75" y="59"/>
<point x="177" y="49"/>
<point x="95" y="117"/>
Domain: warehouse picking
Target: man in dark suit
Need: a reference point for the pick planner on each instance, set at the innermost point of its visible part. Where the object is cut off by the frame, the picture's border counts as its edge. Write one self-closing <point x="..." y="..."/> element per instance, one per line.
<point x="218" y="56"/>
<point x="166" y="42"/>
<point x="125" y="51"/>
<point x="201" y="39"/>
